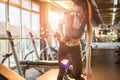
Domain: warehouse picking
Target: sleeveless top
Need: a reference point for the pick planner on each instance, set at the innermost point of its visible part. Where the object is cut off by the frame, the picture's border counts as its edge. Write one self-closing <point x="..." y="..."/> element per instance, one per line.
<point x="75" y="33"/>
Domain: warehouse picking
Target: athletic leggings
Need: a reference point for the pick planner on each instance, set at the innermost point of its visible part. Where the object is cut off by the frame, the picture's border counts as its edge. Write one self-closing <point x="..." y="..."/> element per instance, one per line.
<point x="75" y="57"/>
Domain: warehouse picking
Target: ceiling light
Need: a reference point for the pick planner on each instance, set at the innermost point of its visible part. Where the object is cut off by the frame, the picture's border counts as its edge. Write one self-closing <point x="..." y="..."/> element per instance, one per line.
<point x="112" y="22"/>
<point x="113" y="17"/>
<point x="114" y="9"/>
<point x="115" y="2"/>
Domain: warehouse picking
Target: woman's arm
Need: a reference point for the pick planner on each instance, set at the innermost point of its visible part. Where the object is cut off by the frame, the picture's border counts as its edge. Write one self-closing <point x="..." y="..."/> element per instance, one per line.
<point x="88" y="51"/>
<point x="61" y="31"/>
<point x="62" y="24"/>
<point x="88" y="70"/>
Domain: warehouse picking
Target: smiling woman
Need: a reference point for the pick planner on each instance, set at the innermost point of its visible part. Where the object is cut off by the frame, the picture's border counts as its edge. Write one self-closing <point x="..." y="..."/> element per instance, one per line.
<point x="71" y="29"/>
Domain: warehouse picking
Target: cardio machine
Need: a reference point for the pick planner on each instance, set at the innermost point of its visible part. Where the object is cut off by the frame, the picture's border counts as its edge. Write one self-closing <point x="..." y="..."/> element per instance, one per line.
<point x="23" y="65"/>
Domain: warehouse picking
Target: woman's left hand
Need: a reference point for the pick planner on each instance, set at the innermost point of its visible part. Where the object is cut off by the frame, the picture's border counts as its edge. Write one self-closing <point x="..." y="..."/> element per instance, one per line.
<point x="88" y="74"/>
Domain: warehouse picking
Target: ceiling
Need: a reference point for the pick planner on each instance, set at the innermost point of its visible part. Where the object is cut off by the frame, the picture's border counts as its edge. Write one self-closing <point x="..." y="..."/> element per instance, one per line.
<point x="106" y="8"/>
<point x="102" y="10"/>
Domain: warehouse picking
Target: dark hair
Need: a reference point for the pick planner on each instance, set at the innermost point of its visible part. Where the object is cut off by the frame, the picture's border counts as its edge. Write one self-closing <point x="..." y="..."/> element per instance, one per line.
<point x="83" y="4"/>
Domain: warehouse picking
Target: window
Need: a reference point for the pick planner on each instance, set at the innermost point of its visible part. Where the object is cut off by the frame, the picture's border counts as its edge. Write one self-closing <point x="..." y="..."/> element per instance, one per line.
<point x="14" y="21"/>
<point x="14" y="16"/>
<point x="26" y="19"/>
<point x="35" y="23"/>
<point x="2" y="12"/>
<point x="26" y="4"/>
<point x="35" y="7"/>
<point x="25" y="22"/>
<point x="21" y="16"/>
<point x="2" y="19"/>
<point x="15" y="1"/>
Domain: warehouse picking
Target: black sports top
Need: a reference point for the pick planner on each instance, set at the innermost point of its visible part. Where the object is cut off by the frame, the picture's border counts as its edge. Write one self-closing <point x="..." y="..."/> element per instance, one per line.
<point x="75" y="33"/>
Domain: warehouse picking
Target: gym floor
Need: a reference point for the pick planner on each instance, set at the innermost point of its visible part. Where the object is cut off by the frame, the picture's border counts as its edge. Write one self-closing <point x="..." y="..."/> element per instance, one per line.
<point x="103" y="66"/>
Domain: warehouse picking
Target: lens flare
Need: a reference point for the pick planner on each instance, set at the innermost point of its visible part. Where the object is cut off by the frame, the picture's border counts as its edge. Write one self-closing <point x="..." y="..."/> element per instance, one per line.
<point x="65" y="61"/>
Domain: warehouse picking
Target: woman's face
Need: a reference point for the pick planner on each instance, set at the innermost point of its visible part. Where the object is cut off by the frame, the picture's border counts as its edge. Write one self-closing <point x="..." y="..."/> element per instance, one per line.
<point x="78" y="12"/>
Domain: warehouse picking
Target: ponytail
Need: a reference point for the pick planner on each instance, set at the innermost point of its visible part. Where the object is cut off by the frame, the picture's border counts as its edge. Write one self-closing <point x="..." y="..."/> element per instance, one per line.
<point x="89" y="25"/>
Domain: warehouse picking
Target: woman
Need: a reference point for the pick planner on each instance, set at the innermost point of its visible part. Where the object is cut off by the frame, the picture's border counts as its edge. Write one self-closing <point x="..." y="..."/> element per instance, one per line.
<point x="71" y="29"/>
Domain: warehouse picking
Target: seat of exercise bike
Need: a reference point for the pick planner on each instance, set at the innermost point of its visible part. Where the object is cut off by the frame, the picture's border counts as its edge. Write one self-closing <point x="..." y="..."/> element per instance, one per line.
<point x="42" y="62"/>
